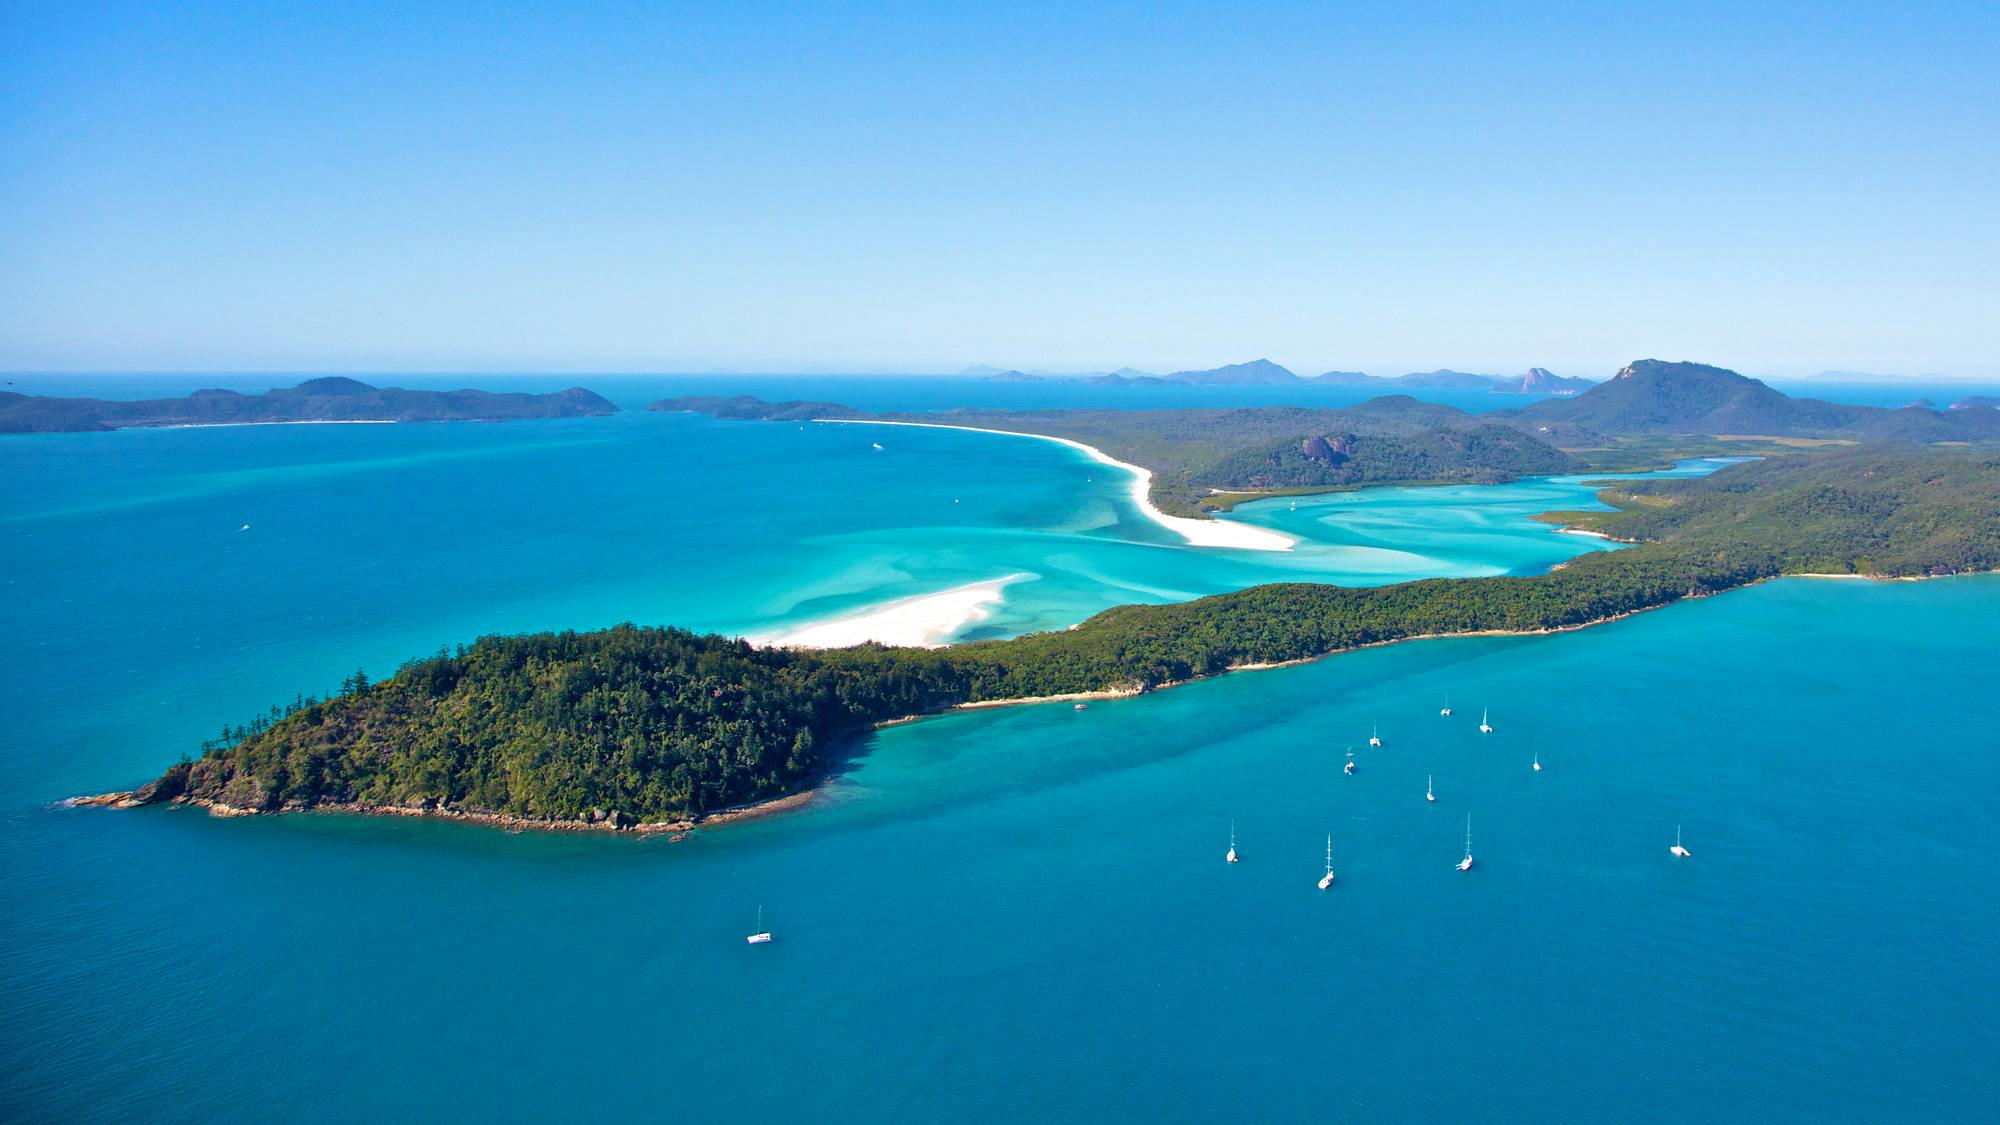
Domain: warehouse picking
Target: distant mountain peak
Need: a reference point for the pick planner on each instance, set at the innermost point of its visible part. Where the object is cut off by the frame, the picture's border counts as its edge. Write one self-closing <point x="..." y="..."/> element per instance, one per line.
<point x="329" y="385"/>
<point x="1542" y="381"/>
<point x="1680" y="369"/>
<point x="1255" y="371"/>
<point x="1655" y="396"/>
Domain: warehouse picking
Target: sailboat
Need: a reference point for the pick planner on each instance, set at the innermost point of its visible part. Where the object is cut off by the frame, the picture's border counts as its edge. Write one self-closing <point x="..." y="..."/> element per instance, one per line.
<point x="1429" y="794"/>
<point x="1677" y="850"/>
<point x="762" y="936"/>
<point x="1231" y="857"/>
<point x="1374" y="734"/>
<point x="1466" y="863"/>
<point x="1538" y="761"/>
<point x="1446" y="709"/>
<point x="1485" y="727"/>
<point x="1327" y="881"/>
<point x="1350" y="763"/>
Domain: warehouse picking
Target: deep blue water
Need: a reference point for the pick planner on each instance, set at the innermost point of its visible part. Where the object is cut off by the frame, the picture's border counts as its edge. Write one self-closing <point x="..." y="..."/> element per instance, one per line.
<point x="1011" y="914"/>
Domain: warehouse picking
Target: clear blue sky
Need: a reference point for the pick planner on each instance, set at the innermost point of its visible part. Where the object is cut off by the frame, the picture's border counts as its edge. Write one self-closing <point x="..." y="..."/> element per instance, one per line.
<point x="680" y="187"/>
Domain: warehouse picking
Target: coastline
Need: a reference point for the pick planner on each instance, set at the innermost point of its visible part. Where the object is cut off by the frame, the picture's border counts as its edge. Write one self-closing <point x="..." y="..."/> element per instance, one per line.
<point x="1124" y="693"/>
<point x="612" y="823"/>
<point x="615" y="823"/>
<point x="1197" y="533"/>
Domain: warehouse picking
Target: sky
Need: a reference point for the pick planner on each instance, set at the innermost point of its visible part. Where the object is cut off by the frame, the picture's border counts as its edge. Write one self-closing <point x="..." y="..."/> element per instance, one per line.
<point x="885" y="187"/>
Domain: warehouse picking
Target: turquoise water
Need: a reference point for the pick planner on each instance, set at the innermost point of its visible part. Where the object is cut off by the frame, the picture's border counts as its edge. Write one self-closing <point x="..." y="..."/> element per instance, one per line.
<point x="1015" y="914"/>
<point x="131" y="574"/>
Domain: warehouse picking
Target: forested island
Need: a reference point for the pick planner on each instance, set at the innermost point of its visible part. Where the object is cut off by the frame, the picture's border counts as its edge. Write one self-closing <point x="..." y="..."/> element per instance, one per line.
<point x="332" y="398"/>
<point x="636" y="726"/>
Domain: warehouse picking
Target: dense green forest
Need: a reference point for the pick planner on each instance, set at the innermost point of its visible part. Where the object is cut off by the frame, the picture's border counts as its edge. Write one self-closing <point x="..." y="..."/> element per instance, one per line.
<point x="645" y="724"/>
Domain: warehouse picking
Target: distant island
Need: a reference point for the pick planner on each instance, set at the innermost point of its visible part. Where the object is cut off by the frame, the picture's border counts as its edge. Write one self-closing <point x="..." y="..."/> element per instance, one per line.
<point x="1263" y="372"/>
<point x="332" y="398"/>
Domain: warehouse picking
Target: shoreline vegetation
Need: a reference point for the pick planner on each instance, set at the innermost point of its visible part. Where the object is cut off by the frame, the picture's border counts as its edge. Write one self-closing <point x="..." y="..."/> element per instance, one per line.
<point x="611" y="822"/>
<point x="628" y="727"/>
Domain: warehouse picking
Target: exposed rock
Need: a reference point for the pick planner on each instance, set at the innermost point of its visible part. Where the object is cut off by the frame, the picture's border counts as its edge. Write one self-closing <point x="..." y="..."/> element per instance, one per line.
<point x="168" y="786"/>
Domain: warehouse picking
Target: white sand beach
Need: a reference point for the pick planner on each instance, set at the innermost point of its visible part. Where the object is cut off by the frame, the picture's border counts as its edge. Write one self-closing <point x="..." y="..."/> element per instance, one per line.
<point x="924" y="621"/>
<point x="1199" y="533"/>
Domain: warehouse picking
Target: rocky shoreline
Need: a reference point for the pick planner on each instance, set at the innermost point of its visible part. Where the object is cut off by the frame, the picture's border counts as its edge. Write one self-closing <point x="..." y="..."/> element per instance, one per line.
<point x="597" y="820"/>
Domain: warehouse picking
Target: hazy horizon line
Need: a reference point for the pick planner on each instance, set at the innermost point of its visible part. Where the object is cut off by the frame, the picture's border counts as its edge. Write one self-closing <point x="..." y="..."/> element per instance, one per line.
<point x="968" y="371"/>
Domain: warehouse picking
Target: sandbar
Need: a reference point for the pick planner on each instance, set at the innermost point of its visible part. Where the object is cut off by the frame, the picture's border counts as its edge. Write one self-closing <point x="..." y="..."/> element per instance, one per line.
<point x="923" y="621"/>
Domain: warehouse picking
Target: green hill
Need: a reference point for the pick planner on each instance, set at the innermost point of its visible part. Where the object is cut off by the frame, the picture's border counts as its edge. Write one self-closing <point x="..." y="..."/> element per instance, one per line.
<point x="1656" y="397"/>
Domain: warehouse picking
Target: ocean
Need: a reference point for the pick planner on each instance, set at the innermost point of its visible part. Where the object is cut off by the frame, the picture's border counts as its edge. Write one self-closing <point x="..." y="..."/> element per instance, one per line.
<point x="1014" y="914"/>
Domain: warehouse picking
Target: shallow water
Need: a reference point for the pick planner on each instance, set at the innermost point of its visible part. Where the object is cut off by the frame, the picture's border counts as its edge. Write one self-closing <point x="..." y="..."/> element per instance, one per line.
<point x="1007" y="914"/>
<point x="274" y="560"/>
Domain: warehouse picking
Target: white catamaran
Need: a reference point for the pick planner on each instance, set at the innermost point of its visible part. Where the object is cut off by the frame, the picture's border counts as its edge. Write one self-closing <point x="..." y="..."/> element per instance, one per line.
<point x="1327" y="881"/>
<point x="1350" y="763"/>
<point x="1466" y="863"/>
<point x="1231" y="857"/>
<point x="1374" y="734"/>
<point x="1538" y="761"/>
<point x="1485" y="727"/>
<point x="1677" y="850"/>
<point x="1429" y="793"/>
<point x="762" y="936"/>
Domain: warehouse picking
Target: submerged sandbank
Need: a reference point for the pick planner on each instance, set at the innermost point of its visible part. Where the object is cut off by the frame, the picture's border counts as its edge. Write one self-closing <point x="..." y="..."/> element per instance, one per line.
<point x="923" y="621"/>
<point x="1199" y="533"/>
<point x="289" y="422"/>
